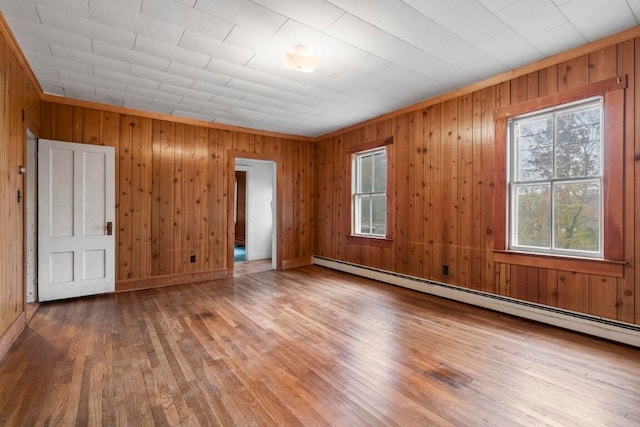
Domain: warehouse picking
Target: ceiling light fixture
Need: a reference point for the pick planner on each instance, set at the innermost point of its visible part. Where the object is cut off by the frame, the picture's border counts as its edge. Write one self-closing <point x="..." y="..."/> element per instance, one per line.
<point x="300" y="60"/>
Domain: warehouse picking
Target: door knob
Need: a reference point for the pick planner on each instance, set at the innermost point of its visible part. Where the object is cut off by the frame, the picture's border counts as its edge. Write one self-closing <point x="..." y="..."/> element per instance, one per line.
<point x="109" y="228"/>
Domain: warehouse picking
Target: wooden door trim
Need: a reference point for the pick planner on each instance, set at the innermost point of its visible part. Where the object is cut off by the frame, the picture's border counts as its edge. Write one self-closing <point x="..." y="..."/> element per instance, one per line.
<point x="232" y="155"/>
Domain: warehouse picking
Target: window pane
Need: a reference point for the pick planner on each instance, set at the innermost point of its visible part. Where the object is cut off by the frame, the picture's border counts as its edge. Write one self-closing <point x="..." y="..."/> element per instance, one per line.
<point x="578" y="144"/>
<point x="379" y="215"/>
<point x="380" y="176"/>
<point x="534" y="148"/>
<point x="364" y="214"/>
<point x="577" y="216"/>
<point x="366" y="174"/>
<point x="532" y="214"/>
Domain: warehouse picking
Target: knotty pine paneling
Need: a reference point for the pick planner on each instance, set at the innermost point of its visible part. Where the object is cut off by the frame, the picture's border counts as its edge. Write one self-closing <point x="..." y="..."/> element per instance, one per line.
<point x="444" y="169"/>
<point x="19" y="110"/>
<point x="172" y="191"/>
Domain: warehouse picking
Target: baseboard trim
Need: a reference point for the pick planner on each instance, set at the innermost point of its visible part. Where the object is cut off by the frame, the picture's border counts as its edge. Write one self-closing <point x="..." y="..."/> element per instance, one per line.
<point x="11" y="334"/>
<point x="298" y="262"/>
<point x="622" y="332"/>
<point x="170" y="280"/>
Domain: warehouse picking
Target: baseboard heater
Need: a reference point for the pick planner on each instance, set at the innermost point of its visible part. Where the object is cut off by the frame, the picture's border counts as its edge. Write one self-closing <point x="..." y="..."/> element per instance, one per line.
<point x="625" y="333"/>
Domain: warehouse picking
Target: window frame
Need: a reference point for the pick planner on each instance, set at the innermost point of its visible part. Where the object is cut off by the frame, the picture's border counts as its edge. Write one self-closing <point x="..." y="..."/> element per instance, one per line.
<point x="369" y="239"/>
<point x="513" y="183"/>
<point x="612" y="259"/>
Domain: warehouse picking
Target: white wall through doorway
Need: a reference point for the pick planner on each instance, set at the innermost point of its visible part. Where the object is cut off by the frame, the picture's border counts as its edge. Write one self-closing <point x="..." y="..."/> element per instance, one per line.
<point x="260" y="231"/>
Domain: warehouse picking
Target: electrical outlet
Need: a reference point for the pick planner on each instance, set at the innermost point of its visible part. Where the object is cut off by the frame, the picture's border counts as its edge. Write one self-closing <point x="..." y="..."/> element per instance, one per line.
<point x="193" y="258"/>
<point x="445" y="270"/>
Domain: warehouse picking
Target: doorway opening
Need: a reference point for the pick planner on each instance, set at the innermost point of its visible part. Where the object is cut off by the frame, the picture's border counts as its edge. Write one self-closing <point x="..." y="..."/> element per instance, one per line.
<point x="254" y="214"/>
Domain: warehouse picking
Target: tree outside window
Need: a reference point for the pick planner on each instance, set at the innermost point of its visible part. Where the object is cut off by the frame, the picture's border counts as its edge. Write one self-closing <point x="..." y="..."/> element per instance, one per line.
<point x="556" y="180"/>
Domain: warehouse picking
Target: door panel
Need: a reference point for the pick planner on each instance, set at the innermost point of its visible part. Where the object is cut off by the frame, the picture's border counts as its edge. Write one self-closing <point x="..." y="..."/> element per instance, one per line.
<point x="76" y="256"/>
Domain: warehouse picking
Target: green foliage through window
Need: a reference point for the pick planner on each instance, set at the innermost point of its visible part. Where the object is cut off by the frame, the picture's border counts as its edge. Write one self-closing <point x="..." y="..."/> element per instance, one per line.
<point x="556" y="179"/>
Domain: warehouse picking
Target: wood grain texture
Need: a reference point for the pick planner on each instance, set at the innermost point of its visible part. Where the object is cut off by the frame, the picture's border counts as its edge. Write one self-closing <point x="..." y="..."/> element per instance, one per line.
<point x="172" y="186"/>
<point x="19" y="108"/>
<point x="308" y="346"/>
<point x="461" y="190"/>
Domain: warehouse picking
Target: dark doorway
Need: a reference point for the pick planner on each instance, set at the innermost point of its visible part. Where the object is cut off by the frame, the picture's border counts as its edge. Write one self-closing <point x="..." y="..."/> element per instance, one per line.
<point x="241" y="208"/>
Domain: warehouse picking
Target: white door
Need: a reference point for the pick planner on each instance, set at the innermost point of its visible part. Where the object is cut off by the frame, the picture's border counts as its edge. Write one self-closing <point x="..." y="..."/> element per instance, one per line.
<point x="76" y="213"/>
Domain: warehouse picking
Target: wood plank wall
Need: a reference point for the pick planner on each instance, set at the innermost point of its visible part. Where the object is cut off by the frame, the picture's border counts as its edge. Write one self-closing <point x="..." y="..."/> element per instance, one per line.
<point x="443" y="167"/>
<point x="172" y="191"/>
<point x="19" y="108"/>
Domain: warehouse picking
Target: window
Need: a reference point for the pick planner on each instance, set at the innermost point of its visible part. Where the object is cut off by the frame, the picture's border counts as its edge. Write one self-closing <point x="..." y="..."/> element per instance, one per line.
<point x="556" y="178"/>
<point x="559" y="180"/>
<point x="369" y="195"/>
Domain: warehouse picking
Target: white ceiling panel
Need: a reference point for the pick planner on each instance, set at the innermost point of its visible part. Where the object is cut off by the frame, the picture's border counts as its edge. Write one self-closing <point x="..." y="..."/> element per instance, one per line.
<point x="186" y="17"/>
<point x="79" y="7"/>
<point x="318" y="14"/>
<point x="20" y="9"/>
<point x="221" y="60"/>
<point x="197" y="74"/>
<point x="434" y="8"/>
<point x="184" y="92"/>
<point x="160" y="76"/>
<point x="171" y="52"/>
<point x="413" y="27"/>
<point x="73" y="23"/>
<point x="484" y="67"/>
<point x="51" y="63"/>
<point x="471" y="22"/>
<point x="596" y="18"/>
<point x="195" y="43"/>
<point x="244" y="13"/>
<point x="152" y="94"/>
<point x="372" y="11"/>
<point x="82" y="57"/>
<point x="557" y="40"/>
<point x="135" y="23"/>
<point x="128" y="79"/>
<point x="27" y="30"/>
<point x="455" y="51"/>
<point x="130" y="56"/>
<point x="510" y="49"/>
<point x="532" y="18"/>
<point x="635" y="8"/>
<point x="496" y="5"/>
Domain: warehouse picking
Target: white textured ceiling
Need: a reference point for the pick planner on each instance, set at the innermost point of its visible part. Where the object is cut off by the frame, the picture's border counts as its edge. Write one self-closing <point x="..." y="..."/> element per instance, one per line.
<point x="220" y="60"/>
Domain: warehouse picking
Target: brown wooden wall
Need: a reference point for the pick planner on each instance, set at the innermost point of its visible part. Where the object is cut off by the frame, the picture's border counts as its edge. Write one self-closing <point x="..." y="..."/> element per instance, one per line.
<point x="173" y="191"/>
<point x="443" y="169"/>
<point x="19" y="107"/>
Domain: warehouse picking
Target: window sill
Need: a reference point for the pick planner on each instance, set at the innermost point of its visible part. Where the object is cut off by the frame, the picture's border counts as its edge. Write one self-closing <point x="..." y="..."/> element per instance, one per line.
<point x="382" y="242"/>
<point x="556" y="262"/>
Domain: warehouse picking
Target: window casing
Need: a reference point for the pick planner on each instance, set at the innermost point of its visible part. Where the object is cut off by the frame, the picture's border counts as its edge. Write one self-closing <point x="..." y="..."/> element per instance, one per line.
<point x="556" y="180"/>
<point x="611" y="262"/>
<point x="369" y="194"/>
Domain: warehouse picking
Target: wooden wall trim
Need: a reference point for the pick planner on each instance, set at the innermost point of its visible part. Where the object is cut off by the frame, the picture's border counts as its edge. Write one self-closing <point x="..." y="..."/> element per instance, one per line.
<point x="579" y="265"/>
<point x="167" y="117"/>
<point x="169" y="280"/>
<point x="593" y="89"/>
<point x="5" y="30"/>
<point x="12" y="334"/>
<point x="497" y="79"/>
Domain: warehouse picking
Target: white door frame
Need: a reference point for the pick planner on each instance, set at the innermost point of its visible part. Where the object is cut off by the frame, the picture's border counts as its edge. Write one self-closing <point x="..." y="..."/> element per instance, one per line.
<point x="276" y="256"/>
<point x="31" y="219"/>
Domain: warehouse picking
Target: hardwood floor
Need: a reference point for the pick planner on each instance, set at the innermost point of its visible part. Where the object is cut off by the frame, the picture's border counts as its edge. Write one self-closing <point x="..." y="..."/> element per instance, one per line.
<point x="251" y="267"/>
<point x="308" y="347"/>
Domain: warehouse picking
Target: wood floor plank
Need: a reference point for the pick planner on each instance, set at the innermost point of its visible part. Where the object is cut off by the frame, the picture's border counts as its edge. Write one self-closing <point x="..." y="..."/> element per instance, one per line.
<point x="306" y="347"/>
